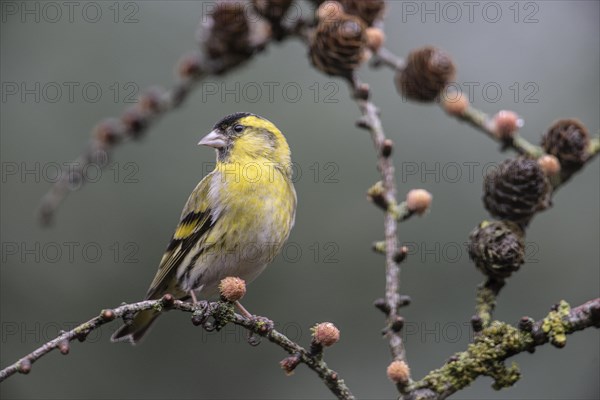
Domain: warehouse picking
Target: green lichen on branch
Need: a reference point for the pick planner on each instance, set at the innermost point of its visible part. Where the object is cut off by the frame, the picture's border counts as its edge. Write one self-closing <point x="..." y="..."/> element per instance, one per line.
<point x="504" y="376"/>
<point x="81" y="331"/>
<point x="225" y="313"/>
<point x="555" y="325"/>
<point x="486" y="299"/>
<point x="485" y="356"/>
<point x="499" y="341"/>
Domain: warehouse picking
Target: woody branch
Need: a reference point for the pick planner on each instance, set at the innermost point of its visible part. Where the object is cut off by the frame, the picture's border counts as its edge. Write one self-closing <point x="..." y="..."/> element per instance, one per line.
<point x="221" y="312"/>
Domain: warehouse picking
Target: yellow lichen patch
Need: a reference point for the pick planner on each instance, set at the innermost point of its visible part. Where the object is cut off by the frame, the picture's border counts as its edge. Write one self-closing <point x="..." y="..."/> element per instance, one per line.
<point x="483" y="357"/>
<point x="555" y="326"/>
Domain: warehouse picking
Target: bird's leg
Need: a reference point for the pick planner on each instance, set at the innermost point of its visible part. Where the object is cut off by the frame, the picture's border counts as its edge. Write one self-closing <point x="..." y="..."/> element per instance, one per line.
<point x="243" y="310"/>
<point x="194" y="299"/>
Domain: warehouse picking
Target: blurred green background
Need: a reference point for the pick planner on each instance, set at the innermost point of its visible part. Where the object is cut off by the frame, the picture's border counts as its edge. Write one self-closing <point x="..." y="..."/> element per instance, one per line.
<point x="108" y="238"/>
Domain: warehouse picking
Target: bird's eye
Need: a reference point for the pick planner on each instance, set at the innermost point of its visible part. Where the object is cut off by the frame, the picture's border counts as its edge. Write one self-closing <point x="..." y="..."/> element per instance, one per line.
<point x="238" y="128"/>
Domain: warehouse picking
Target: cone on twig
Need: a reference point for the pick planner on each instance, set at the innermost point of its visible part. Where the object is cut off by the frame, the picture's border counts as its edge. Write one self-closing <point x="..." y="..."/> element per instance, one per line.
<point x="567" y="140"/>
<point x="338" y="45"/>
<point x="427" y="73"/>
<point x="497" y="248"/>
<point x="368" y="10"/>
<point x="227" y="34"/>
<point x="516" y="190"/>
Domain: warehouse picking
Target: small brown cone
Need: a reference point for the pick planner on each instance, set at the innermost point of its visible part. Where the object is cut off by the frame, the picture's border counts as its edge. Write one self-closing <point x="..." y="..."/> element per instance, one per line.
<point x="226" y="31"/>
<point x="367" y="10"/>
<point x="567" y="140"/>
<point x="497" y="248"/>
<point x="338" y="45"/>
<point x="516" y="190"/>
<point x="428" y="71"/>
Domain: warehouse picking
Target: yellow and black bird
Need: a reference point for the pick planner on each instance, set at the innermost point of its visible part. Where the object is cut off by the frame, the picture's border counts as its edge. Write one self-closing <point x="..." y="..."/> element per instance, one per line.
<point x="235" y="221"/>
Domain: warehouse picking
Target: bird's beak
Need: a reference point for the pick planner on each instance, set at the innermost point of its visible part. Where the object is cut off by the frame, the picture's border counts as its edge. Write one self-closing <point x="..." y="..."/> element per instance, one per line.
<point x="214" y="139"/>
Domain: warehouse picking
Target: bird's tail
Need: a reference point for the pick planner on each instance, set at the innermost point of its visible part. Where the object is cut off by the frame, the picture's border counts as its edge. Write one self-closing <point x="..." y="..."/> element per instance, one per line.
<point x="134" y="331"/>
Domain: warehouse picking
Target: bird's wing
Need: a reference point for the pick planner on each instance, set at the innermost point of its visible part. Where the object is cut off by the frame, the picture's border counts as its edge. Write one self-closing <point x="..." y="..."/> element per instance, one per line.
<point x="196" y="221"/>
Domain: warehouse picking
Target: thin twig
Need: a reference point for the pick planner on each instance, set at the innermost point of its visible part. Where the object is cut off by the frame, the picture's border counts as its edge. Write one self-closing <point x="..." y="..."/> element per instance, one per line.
<point x="487" y="293"/>
<point x="483" y="122"/>
<point x="201" y="311"/>
<point x="370" y="120"/>
<point x="389" y="59"/>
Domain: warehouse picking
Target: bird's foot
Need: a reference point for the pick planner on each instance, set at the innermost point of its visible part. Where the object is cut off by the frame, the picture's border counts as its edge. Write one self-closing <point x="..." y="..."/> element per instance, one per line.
<point x="262" y="326"/>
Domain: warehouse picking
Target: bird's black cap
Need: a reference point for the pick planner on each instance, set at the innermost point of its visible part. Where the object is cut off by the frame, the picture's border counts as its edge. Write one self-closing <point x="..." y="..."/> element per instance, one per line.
<point x="230" y="119"/>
